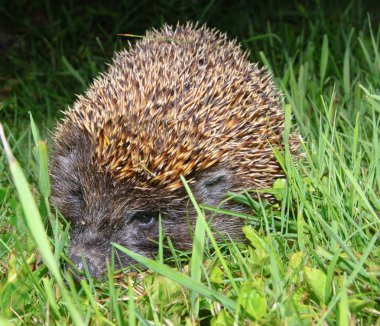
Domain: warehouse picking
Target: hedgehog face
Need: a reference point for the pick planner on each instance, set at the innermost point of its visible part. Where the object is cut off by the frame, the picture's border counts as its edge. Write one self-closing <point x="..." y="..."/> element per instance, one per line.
<point x="102" y="210"/>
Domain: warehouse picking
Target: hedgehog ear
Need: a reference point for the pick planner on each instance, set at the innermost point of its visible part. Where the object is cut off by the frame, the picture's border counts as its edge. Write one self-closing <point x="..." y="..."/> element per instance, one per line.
<point x="212" y="185"/>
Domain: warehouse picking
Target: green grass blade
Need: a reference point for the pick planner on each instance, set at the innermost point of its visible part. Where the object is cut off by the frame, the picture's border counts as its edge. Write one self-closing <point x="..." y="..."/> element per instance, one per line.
<point x="73" y="72"/>
<point x="346" y="67"/>
<point x="178" y="277"/>
<point x="343" y="305"/>
<point x="324" y="59"/>
<point x="36" y="227"/>
<point x="198" y="248"/>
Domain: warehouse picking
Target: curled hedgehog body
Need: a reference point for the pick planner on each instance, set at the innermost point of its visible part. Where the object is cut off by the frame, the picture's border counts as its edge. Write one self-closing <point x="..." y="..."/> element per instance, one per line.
<point x="182" y="101"/>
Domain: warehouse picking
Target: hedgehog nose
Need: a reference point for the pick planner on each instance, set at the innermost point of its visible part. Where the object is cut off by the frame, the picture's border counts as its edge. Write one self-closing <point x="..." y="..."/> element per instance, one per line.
<point x="80" y="267"/>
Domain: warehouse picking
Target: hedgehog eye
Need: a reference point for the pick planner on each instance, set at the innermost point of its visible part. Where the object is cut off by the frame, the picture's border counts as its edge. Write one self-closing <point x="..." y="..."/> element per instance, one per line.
<point x="214" y="182"/>
<point x="78" y="193"/>
<point x="211" y="186"/>
<point x="145" y="218"/>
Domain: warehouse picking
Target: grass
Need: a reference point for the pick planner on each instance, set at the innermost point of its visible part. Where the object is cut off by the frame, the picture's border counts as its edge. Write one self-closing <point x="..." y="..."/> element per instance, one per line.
<point x="313" y="258"/>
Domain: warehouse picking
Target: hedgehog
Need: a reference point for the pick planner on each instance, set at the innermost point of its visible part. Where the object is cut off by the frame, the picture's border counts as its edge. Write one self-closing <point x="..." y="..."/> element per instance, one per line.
<point x="182" y="101"/>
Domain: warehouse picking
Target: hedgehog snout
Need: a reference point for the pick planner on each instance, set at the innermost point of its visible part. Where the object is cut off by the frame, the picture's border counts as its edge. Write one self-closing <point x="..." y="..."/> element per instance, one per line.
<point x="89" y="250"/>
<point x="81" y="264"/>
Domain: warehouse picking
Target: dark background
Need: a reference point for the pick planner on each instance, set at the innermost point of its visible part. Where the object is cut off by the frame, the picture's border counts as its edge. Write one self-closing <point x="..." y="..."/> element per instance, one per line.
<point x="51" y="50"/>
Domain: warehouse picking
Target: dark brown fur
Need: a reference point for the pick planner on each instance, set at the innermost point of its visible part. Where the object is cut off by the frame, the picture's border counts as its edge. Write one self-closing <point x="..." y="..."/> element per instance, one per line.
<point x="183" y="101"/>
